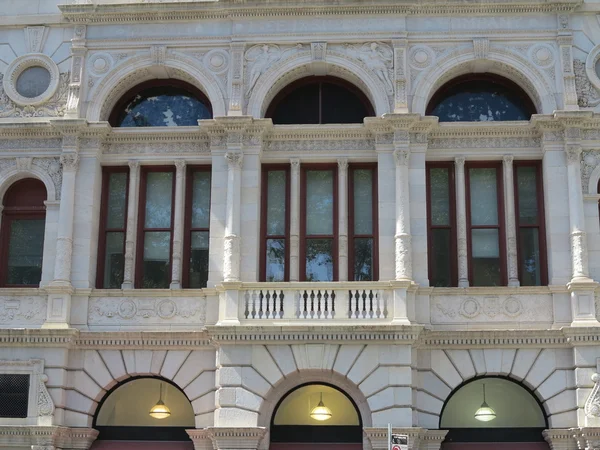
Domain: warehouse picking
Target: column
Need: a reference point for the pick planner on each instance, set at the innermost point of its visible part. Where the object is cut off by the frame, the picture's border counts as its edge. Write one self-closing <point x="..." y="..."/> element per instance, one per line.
<point x="461" y="220"/>
<point x="510" y="220"/>
<point x="178" y="224"/>
<point x="579" y="256"/>
<point x="130" y="238"/>
<point x="403" y="240"/>
<point x="343" y="219"/>
<point x="294" y="219"/>
<point x="231" y="251"/>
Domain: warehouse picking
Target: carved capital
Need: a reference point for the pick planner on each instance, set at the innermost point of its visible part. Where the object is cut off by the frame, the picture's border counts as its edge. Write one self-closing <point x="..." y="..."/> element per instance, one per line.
<point x="180" y="165"/>
<point x="573" y="152"/>
<point x="234" y="159"/>
<point x="459" y="161"/>
<point x="134" y="165"/>
<point x="295" y="163"/>
<point x="401" y="157"/>
<point x="342" y="164"/>
<point x="69" y="161"/>
<point x="507" y="160"/>
<point x="481" y="48"/>
<point x="24" y="163"/>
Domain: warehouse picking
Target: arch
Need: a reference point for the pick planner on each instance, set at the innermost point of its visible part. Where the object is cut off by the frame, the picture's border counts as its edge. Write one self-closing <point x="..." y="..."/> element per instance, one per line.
<point x="300" y="66"/>
<point x="14" y="174"/>
<point x="504" y="64"/>
<point x="143" y="68"/>
<point x="594" y="182"/>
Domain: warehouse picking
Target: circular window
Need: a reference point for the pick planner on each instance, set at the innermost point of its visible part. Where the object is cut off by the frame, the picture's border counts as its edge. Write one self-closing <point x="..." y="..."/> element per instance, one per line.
<point x="33" y="82"/>
<point x="31" y="79"/>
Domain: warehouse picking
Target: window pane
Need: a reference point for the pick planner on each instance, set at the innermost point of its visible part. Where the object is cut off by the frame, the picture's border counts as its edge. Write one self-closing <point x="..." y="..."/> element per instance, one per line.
<point x="363" y="259"/>
<point x="159" y="193"/>
<point x="319" y="260"/>
<point x="485" y="262"/>
<point x="530" y="257"/>
<point x="25" y="252"/>
<point x="441" y="258"/>
<point x="527" y="194"/>
<point x="14" y="395"/>
<point x="117" y="200"/>
<point x="201" y="200"/>
<point x="157" y="251"/>
<point x="275" y="263"/>
<point x="440" y="196"/>
<point x="114" y="260"/>
<point x="276" y="193"/>
<point x="363" y="201"/>
<point x="484" y="196"/>
<point x="319" y="202"/>
<point x="199" y="260"/>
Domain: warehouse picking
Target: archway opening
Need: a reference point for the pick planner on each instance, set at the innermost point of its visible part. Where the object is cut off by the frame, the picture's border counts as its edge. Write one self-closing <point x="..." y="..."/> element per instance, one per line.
<point x="144" y="413"/>
<point x="319" y="100"/>
<point x="480" y="98"/>
<point x="161" y="103"/>
<point x="316" y="416"/>
<point x="493" y="413"/>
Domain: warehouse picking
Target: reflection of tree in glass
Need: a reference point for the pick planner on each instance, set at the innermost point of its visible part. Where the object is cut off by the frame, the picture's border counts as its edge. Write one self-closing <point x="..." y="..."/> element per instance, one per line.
<point x="363" y="259"/>
<point x="440" y="196"/>
<point x="319" y="260"/>
<point x="275" y="260"/>
<point x="25" y="252"/>
<point x="164" y="110"/>
<point x="319" y="202"/>
<point x="159" y="192"/>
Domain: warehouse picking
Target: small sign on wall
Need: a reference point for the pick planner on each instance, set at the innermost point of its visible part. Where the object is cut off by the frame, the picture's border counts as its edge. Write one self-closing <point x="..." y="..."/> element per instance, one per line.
<point x="399" y="442"/>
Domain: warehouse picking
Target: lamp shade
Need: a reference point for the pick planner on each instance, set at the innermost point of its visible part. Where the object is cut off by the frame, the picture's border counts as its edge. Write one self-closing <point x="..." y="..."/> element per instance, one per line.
<point x="321" y="412"/>
<point x="160" y="410"/>
<point x="485" y="413"/>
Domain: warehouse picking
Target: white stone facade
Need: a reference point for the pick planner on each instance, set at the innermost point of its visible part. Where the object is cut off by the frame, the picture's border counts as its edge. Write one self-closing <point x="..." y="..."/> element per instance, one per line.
<point x="234" y="361"/>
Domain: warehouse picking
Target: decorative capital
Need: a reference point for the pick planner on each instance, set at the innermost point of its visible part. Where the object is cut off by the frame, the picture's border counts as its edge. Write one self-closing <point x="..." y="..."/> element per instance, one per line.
<point x="481" y="48"/>
<point x="180" y="164"/>
<point x="508" y="160"/>
<point x="401" y="157"/>
<point x="134" y="165"/>
<point x="342" y="164"/>
<point x="234" y="159"/>
<point x="69" y="161"/>
<point x="573" y="153"/>
<point x="318" y="51"/>
<point x="295" y="163"/>
<point x="24" y="163"/>
<point x="460" y="161"/>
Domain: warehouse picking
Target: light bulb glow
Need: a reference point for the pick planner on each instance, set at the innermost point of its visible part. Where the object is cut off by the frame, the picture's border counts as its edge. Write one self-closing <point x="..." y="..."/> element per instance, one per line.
<point x="160" y="410"/>
<point x="485" y="413"/>
<point x="321" y="412"/>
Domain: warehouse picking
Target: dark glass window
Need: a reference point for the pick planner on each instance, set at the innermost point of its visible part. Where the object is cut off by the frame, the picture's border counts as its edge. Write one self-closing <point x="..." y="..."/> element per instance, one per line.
<point x="197" y="227"/>
<point x="530" y="224"/>
<point x="485" y="223"/>
<point x="113" y="227"/>
<point x="155" y="232"/>
<point x="362" y="205"/>
<point x="275" y="223"/>
<point x="163" y="103"/>
<point x="14" y="395"/>
<point x="319" y="223"/>
<point x="22" y="234"/>
<point x="319" y="100"/>
<point x="441" y="225"/>
<point x="480" y="98"/>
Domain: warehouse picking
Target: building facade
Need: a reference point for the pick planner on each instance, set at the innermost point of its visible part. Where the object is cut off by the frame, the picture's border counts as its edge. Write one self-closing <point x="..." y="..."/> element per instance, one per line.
<point x="247" y="211"/>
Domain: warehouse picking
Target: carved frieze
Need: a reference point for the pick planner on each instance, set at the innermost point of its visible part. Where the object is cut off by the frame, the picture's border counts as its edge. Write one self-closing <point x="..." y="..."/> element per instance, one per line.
<point x="314" y="145"/>
<point x="146" y="148"/>
<point x="491" y="308"/>
<point x="587" y="94"/>
<point x="484" y="142"/>
<point x="54" y="107"/>
<point x="146" y="310"/>
<point x="259" y="58"/>
<point x="29" y="310"/>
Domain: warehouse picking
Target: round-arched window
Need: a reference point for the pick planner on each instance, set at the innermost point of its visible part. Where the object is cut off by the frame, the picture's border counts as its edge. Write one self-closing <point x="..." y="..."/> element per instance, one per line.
<point x="480" y="98"/>
<point x="319" y="100"/>
<point x="161" y="103"/>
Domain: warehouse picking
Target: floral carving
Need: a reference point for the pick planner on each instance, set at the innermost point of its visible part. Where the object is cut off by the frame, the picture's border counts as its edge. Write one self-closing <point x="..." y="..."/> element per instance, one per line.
<point x="45" y="403"/>
<point x="53" y="168"/>
<point x="587" y="94"/>
<point x="589" y="162"/>
<point x="106" y="310"/>
<point x="592" y="404"/>
<point x="22" y="310"/>
<point x="55" y="107"/>
<point x="316" y="145"/>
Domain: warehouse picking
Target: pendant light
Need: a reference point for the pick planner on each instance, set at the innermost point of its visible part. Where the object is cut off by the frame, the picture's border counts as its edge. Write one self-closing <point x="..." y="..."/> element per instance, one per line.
<point x="321" y="412"/>
<point x="485" y="413"/>
<point x="160" y="410"/>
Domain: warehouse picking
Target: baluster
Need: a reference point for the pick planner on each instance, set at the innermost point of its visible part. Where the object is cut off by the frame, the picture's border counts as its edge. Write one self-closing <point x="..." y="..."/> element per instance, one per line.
<point x="357" y="301"/>
<point x="298" y="302"/>
<point x="326" y="304"/>
<point x="306" y="304"/>
<point x="370" y="303"/>
<point x="333" y="297"/>
<point x="246" y="304"/>
<point x="384" y="299"/>
<point x="378" y="304"/>
<point x="281" y="310"/>
<point x="253" y="297"/>
<point x="274" y="297"/>
<point x="364" y="303"/>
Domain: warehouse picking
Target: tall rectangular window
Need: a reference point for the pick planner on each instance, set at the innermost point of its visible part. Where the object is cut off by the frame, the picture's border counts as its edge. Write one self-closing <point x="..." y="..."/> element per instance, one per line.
<point x="275" y="224"/>
<point x="155" y="228"/>
<point x="113" y="227"/>
<point x="319" y="211"/>
<point x="529" y="214"/>
<point x="197" y="226"/>
<point x="485" y="224"/>
<point x="441" y="225"/>
<point x="14" y="395"/>
<point x="362" y="227"/>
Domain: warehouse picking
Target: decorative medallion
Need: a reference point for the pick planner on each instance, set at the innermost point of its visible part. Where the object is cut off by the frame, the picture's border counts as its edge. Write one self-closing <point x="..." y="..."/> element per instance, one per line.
<point x="31" y="79"/>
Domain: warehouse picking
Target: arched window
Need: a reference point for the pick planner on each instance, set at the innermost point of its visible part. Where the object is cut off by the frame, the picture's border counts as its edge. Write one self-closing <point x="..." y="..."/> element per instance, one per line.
<point x="316" y="413"/>
<point x="319" y="100"/>
<point x="490" y="410"/>
<point x="161" y="103"/>
<point x="128" y="413"/>
<point x="480" y="98"/>
<point x="22" y="234"/>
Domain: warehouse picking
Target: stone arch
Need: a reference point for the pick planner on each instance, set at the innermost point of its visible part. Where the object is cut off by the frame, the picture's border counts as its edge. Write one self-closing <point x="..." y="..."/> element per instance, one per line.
<point x="545" y="372"/>
<point x="504" y="64"/>
<point x="10" y="176"/>
<point x="594" y="182"/>
<point x="143" y="68"/>
<point x="101" y="370"/>
<point x="300" y="66"/>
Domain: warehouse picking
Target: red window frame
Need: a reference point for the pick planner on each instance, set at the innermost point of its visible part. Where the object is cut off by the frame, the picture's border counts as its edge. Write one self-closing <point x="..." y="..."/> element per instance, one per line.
<point x="501" y="217"/>
<point x="106" y="172"/>
<point x="375" y="210"/>
<point x="145" y="170"/>
<point x="265" y="169"/>
<point x="11" y="213"/>
<point x="452" y="226"/>
<point x="187" y="228"/>
<point x="541" y="223"/>
<point x="335" y="232"/>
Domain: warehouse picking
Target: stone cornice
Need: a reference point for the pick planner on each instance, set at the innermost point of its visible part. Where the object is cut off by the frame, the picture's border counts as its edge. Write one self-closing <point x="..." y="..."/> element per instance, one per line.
<point x="232" y="9"/>
<point x="496" y="339"/>
<point x="143" y="340"/>
<point x="61" y="437"/>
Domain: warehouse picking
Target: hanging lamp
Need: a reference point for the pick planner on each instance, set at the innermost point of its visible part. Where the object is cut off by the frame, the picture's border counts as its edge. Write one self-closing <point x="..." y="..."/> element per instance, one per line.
<point x="321" y="412"/>
<point x="160" y="410"/>
<point x="485" y="413"/>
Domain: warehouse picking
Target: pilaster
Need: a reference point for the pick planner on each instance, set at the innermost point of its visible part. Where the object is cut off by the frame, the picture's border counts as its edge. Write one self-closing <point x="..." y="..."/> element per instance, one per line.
<point x="131" y="235"/>
<point x="178" y="223"/>
<point x="402" y="237"/>
<point x="295" y="219"/>
<point x="236" y="93"/>
<point x="565" y="43"/>
<point x="342" y="222"/>
<point x="78" y="52"/>
<point x="401" y="81"/>
<point x="511" y="233"/>
<point x="461" y="221"/>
